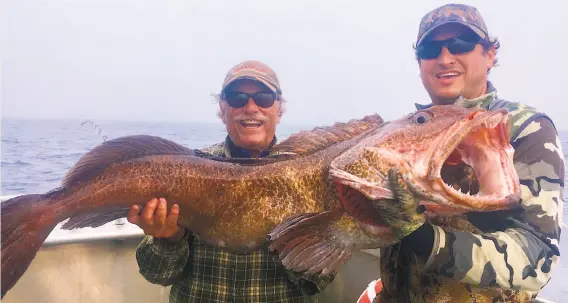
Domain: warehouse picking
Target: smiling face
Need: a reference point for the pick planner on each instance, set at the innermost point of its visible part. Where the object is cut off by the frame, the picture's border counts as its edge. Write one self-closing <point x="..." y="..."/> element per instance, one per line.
<point x="452" y="75"/>
<point x="250" y="127"/>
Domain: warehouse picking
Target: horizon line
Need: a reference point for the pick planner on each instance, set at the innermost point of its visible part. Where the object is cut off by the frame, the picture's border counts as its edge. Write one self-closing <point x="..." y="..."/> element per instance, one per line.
<point x="167" y="121"/>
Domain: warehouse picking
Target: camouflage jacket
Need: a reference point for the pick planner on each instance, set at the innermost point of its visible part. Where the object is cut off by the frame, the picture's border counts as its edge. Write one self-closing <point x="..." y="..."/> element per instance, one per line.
<point x="501" y="256"/>
<point x="198" y="272"/>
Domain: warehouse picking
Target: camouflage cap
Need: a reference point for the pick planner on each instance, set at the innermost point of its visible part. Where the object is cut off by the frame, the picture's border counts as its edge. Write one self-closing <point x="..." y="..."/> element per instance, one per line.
<point x="463" y="14"/>
<point x="253" y="70"/>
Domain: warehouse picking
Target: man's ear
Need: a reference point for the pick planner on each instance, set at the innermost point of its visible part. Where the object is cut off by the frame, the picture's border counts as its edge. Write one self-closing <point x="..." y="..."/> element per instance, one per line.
<point x="221" y="112"/>
<point x="280" y="112"/>
<point x="490" y="56"/>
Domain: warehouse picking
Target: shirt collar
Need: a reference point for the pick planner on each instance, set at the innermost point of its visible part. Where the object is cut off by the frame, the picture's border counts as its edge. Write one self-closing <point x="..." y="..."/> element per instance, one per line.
<point x="238" y="152"/>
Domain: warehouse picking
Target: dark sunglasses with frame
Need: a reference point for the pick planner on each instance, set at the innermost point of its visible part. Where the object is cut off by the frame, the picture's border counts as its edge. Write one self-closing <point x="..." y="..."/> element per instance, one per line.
<point x="237" y="99"/>
<point x="457" y="45"/>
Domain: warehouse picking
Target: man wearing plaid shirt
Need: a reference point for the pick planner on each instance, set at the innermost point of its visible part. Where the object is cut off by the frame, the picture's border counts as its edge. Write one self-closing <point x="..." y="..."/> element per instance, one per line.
<point x="250" y="106"/>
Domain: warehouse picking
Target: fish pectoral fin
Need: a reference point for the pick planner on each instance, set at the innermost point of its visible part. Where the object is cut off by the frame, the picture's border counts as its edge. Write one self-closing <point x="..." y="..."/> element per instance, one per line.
<point x="119" y="150"/>
<point x="317" y="242"/>
<point x="371" y="191"/>
<point x="95" y="219"/>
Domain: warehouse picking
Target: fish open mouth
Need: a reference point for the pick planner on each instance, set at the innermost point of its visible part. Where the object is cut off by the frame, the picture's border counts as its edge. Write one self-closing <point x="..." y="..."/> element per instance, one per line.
<point x="473" y="168"/>
<point x="468" y="167"/>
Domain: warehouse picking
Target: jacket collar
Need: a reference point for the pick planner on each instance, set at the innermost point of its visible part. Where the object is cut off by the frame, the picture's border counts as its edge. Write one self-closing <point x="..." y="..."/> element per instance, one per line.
<point x="234" y="151"/>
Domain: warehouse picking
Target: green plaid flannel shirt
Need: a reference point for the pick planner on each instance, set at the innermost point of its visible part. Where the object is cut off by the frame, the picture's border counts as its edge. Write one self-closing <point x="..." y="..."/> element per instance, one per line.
<point x="198" y="272"/>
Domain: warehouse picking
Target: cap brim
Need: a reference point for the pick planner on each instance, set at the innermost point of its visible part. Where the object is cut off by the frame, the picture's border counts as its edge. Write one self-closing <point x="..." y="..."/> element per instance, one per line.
<point x="247" y="76"/>
<point x="475" y="29"/>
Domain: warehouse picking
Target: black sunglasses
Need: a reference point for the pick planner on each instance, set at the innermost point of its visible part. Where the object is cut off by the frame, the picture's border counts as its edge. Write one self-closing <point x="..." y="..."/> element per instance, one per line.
<point x="456" y="46"/>
<point x="238" y="99"/>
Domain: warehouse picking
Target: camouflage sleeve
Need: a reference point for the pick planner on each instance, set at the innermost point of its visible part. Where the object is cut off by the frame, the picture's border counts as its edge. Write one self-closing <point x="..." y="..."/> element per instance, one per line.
<point x="161" y="262"/>
<point x="310" y="284"/>
<point x="524" y="251"/>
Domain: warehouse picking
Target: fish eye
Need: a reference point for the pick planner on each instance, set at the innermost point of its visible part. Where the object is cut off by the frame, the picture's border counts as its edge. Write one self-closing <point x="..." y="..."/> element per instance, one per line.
<point x="421" y="118"/>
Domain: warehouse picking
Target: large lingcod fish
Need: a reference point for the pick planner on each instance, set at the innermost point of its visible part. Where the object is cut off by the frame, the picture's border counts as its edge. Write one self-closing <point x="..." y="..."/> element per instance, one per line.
<point x="303" y="204"/>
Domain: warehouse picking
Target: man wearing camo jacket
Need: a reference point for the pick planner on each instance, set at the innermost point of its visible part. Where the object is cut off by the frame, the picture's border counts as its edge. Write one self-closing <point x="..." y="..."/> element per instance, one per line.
<point x="506" y="256"/>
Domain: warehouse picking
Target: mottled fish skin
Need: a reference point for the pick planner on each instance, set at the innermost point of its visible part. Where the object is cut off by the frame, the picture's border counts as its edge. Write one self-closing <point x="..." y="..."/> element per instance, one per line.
<point x="226" y="204"/>
<point x="233" y="206"/>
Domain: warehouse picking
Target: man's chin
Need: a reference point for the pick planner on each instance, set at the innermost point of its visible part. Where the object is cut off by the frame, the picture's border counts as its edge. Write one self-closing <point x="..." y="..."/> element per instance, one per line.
<point x="252" y="138"/>
<point x="251" y="130"/>
<point x="444" y="101"/>
<point x="252" y="142"/>
<point x="445" y="96"/>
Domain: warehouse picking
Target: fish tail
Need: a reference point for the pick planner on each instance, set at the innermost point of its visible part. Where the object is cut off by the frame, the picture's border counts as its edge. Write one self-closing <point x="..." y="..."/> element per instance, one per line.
<point x="25" y="223"/>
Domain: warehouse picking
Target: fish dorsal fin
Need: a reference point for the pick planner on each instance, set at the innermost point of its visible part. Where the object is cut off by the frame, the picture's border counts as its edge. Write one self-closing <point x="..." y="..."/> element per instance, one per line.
<point x="135" y="146"/>
<point x="304" y="142"/>
<point x="119" y="150"/>
<point x="308" y="142"/>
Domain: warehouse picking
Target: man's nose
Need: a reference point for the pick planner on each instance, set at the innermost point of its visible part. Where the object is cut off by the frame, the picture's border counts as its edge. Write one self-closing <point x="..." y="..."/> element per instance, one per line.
<point x="445" y="57"/>
<point x="251" y="107"/>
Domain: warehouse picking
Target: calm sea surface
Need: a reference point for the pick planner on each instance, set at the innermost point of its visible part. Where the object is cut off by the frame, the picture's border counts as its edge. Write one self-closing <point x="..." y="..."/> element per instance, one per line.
<point x="37" y="153"/>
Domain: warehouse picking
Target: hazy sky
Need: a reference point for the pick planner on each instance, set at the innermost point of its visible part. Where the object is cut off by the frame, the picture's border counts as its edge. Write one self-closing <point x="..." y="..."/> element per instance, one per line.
<point x="337" y="60"/>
